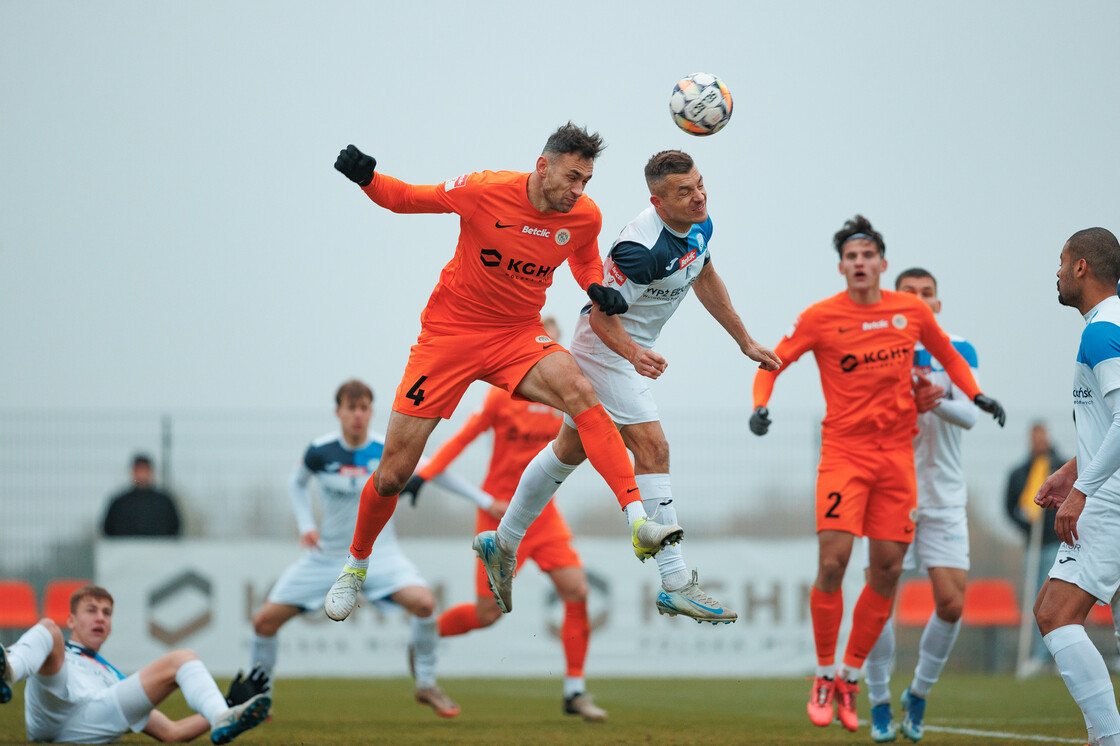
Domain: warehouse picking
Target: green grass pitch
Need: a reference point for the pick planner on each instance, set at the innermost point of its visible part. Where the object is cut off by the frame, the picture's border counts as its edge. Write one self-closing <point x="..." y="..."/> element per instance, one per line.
<point x="964" y="709"/>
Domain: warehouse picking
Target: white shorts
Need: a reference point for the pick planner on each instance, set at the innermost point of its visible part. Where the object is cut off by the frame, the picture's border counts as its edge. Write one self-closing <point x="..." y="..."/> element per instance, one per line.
<point x="102" y="718"/>
<point x="940" y="540"/>
<point x="306" y="581"/>
<point x="623" y="392"/>
<point x="1093" y="562"/>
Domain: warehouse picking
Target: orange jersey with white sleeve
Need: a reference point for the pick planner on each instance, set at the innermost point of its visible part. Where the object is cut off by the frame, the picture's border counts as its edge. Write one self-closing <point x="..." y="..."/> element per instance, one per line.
<point x="864" y="355"/>
<point x="521" y="429"/>
<point x="508" y="250"/>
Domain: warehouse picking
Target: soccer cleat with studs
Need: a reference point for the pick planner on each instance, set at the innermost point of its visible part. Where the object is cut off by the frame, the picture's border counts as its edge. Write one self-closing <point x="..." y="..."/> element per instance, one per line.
<point x="582" y="705"/>
<point x="343" y="595"/>
<point x="913" y="713"/>
<point x="236" y="720"/>
<point x="822" y="707"/>
<point x="693" y="601"/>
<point x="649" y="537"/>
<point x="499" y="565"/>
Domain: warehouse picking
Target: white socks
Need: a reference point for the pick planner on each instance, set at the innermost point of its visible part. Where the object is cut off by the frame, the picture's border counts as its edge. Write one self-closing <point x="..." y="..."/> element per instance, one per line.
<point x="424" y="632"/>
<point x="1086" y="677"/>
<point x="262" y="652"/>
<point x="355" y="563"/>
<point x="29" y="652"/>
<point x="937" y="641"/>
<point x="877" y="667"/>
<point x="544" y="474"/>
<point x="200" y="691"/>
<point x="657" y="497"/>
<point x="574" y="685"/>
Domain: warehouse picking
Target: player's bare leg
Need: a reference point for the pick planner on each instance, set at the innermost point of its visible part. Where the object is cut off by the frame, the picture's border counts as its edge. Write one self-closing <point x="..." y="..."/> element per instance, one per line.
<point x="405" y="439"/>
<point x="680" y="592"/>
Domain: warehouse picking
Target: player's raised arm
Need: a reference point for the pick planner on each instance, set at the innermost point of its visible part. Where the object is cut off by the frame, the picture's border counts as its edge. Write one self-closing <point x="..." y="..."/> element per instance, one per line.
<point x="712" y="292"/>
<point x="394" y="194"/>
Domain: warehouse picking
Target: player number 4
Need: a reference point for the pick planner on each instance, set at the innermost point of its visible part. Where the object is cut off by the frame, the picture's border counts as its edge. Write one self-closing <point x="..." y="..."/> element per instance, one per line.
<point x="416" y="393"/>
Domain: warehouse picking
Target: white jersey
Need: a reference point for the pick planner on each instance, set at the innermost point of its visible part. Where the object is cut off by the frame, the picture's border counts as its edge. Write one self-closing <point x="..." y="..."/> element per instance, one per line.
<point x="653" y="267"/>
<point x="1096" y="375"/>
<point x="86" y="678"/>
<point x="341" y="472"/>
<point x="937" y="446"/>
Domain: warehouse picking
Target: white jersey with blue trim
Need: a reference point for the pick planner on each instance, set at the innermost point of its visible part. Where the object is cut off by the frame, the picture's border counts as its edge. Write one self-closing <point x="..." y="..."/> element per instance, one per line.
<point x="87" y="675"/>
<point x="937" y="446"/>
<point x="1096" y="375"/>
<point x="653" y="267"/>
<point x="341" y="471"/>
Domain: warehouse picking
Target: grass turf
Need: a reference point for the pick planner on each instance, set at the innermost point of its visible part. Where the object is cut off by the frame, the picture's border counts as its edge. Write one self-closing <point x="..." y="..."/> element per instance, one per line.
<point x="964" y="709"/>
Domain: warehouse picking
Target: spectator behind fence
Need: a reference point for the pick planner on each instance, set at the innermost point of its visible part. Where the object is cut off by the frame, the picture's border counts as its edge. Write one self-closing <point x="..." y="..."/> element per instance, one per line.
<point x="143" y="510"/>
<point x="1022" y="485"/>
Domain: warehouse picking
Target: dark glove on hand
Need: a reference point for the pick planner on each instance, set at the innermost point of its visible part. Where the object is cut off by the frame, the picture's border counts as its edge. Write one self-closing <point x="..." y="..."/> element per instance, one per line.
<point x="243" y="689"/>
<point x="356" y="165"/>
<point x="609" y="300"/>
<point x="412" y="489"/>
<point x="760" y="421"/>
<point x="991" y="406"/>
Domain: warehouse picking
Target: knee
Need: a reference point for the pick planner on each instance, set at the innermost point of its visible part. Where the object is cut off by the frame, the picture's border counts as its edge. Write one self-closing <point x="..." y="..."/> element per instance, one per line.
<point x="264" y="625"/>
<point x="580" y="395"/>
<point x="574" y="592"/>
<point x="830" y="572"/>
<point x="950" y="609"/>
<point x="389" y="481"/>
<point x="488" y="612"/>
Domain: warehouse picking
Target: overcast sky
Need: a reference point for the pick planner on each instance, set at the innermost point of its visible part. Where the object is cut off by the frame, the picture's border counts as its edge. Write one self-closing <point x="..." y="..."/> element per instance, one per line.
<point x="174" y="236"/>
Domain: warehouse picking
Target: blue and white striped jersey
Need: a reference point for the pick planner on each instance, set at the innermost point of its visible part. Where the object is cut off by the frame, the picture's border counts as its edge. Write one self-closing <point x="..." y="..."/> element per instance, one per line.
<point x="937" y="446"/>
<point x="1095" y="376"/>
<point x="340" y="471"/>
<point x="653" y="267"/>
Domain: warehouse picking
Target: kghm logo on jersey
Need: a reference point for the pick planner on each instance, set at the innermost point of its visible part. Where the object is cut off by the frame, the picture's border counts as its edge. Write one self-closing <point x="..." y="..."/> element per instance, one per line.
<point x="563" y="236"/>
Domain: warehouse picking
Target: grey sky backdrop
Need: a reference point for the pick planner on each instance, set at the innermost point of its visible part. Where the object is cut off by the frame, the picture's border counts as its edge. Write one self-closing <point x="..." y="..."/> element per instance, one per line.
<point x="174" y="235"/>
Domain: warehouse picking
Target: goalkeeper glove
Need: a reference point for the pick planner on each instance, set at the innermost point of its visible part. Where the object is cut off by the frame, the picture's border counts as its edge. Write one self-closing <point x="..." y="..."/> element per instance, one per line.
<point x="412" y="489"/>
<point x="243" y="689"/>
<point x="991" y="406"/>
<point x="760" y="421"/>
<point x="609" y="300"/>
<point x="356" y="165"/>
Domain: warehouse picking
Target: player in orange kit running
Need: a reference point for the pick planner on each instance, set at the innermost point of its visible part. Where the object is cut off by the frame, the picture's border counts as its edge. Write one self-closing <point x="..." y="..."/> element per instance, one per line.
<point x="863" y="341"/>
<point x="482" y="322"/>
<point x="521" y="429"/>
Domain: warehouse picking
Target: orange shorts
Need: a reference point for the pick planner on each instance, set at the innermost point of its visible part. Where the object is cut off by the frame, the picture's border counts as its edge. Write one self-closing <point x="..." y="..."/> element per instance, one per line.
<point x="867" y="492"/>
<point x="442" y="366"/>
<point x="548" y="542"/>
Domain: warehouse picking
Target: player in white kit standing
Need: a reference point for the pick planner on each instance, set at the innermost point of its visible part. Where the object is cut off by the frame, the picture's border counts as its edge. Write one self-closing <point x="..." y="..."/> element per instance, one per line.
<point x="941" y="532"/>
<point x="1087" y="487"/>
<point x="341" y="462"/>
<point x="654" y="261"/>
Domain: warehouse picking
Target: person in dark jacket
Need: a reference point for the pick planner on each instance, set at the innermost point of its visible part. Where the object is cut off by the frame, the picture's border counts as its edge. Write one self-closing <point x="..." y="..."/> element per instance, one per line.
<point x="143" y="510"/>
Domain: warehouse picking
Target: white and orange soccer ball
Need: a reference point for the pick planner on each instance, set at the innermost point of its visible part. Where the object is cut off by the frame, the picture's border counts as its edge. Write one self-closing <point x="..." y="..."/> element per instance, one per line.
<point x="700" y="104"/>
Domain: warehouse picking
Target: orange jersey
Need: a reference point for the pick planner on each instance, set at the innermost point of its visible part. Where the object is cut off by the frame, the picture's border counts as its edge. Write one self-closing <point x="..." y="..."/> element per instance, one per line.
<point x="508" y="250"/>
<point x="521" y="429"/>
<point x="865" y="354"/>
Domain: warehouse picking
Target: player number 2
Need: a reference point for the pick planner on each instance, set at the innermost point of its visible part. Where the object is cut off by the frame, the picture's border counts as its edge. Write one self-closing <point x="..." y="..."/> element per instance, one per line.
<point x="835" y="497"/>
<point x="416" y="393"/>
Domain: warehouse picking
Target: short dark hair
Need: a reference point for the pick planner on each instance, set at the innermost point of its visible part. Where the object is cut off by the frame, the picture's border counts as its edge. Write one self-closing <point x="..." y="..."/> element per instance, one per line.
<point x="354" y="390"/>
<point x="917" y="273"/>
<point x="141" y="459"/>
<point x="1100" y="250"/>
<point x="667" y="163"/>
<point x="572" y="139"/>
<point x="88" y="591"/>
<point x="858" y="224"/>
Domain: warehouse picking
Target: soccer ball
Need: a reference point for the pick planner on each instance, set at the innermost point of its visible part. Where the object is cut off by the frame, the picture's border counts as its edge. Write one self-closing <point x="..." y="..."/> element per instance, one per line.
<point x="700" y="104"/>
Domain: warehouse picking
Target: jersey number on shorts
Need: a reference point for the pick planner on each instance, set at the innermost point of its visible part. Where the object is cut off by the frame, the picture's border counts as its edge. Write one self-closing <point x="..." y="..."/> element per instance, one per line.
<point x="835" y="497"/>
<point x="416" y="393"/>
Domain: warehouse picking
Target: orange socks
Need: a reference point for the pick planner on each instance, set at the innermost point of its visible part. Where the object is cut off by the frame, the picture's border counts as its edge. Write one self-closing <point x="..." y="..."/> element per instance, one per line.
<point x="374" y="511"/>
<point x="868" y="617"/>
<point x="575" y="633"/>
<point x="607" y="453"/>
<point x="459" y="620"/>
<point x="827" y="610"/>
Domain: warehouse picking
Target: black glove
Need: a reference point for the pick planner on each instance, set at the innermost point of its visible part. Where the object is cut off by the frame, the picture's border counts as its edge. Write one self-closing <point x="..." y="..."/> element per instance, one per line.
<point x="609" y="300"/>
<point x="760" y="421"/>
<point x="991" y="406"/>
<point x="243" y="689"/>
<point x="356" y="165"/>
<point x="412" y="489"/>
